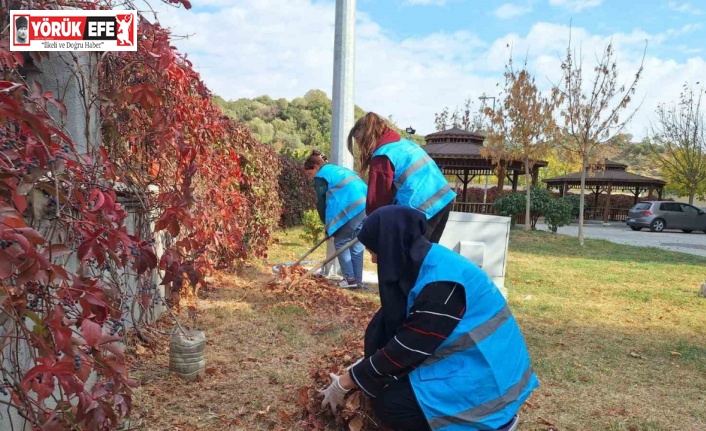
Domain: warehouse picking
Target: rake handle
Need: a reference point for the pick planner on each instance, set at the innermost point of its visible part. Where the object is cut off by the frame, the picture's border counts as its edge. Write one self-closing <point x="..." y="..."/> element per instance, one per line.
<point x="348" y="245"/>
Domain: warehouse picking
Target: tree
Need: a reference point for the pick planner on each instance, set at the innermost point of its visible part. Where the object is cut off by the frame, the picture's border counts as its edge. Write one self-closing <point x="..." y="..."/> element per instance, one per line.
<point x="679" y="143"/>
<point x="590" y="113"/>
<point x="522" y="126"/>
<point x="466" y="119"/>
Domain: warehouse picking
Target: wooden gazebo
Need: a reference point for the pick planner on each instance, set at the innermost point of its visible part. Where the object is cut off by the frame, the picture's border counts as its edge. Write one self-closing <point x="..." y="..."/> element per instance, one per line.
<point x="457" y="152"/>
<point x="608" y="177"/>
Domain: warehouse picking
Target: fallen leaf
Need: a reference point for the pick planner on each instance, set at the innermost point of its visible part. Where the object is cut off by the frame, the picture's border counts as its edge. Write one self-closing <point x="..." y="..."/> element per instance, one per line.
<point x="356" y="424"/>
<point x="285" y="418"/>
<point x="139" y="350"/>
<point x="675" y="353"/>
<point x="549" y="424"/>
<point x="634" y="354"/>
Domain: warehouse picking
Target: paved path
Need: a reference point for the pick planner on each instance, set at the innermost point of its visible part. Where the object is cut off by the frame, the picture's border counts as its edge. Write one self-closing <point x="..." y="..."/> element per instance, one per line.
<point x="692" y="243"/>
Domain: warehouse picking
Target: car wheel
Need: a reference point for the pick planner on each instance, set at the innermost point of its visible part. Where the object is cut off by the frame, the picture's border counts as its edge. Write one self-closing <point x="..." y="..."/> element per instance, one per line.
<point x="657" y="225"/>
<point x="686" y="230"/>
<point x="635" y="228"/>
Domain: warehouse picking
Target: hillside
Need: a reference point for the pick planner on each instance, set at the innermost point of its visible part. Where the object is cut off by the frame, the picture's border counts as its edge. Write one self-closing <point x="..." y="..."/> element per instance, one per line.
<point x="292" y="126"/>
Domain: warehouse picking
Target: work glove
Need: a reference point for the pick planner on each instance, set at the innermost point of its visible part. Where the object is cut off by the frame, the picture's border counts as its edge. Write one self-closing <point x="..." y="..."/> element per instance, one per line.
<point x="334" y="394"/>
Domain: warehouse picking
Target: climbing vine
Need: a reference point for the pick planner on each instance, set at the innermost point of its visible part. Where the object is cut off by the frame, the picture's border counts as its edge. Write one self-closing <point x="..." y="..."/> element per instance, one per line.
<point x="76" y="225"/>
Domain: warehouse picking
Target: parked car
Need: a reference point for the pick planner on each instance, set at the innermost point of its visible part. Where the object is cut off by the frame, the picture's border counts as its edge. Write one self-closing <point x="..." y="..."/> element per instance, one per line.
<point x="660" y="215"/>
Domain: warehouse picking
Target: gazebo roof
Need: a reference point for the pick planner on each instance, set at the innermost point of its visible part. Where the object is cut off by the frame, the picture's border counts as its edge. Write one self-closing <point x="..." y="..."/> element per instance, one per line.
<point x="455" y="143"/>
<point x="455" y="132"/>
<point x="618" y="177"/>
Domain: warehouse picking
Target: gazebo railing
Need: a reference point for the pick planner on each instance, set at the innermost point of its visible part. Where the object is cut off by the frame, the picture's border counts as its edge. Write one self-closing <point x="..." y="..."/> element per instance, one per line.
<point x="615" y="214"/>
<point x="473" y="207"/>
<point x="481" y="208"/>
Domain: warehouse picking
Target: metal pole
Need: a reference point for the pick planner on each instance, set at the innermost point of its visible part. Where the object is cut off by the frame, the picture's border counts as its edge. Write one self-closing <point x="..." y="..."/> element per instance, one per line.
<point x="485" y="190"/>
<point x="342" y="96"/>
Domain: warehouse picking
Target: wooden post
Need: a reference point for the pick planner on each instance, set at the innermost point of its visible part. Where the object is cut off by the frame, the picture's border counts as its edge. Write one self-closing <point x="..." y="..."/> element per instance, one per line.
<point x="649" y="192"/>
<point x="659" y="193"/>
<point x="606" y="213"/>
<point x="564" y="189"/>
<point x="465" y="183"/>
<point x="535" y="175"/>
<point x="637" y="194"/>
<point x="515" y="178"/>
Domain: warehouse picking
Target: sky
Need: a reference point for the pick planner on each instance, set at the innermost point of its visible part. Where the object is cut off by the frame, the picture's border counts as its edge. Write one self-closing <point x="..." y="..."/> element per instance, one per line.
<point x="415" y="57"/>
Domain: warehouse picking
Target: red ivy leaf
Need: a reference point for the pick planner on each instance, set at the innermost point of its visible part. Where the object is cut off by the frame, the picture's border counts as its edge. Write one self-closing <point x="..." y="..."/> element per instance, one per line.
<point x="91" y="331"/>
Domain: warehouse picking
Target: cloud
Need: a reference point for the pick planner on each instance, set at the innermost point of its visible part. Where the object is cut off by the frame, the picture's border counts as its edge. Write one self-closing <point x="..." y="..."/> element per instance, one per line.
<point x="425" y="2"/>
<point x="509" y="10"/>
<point x="284" y="48"/>
<point x="684" y="8"/>
<point x="576" y="5"/>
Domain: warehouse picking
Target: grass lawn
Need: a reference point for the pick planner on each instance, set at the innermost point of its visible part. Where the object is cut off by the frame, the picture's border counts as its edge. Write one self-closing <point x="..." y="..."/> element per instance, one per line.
<point x="617" y="336"/>
<point x="617" y="333"/>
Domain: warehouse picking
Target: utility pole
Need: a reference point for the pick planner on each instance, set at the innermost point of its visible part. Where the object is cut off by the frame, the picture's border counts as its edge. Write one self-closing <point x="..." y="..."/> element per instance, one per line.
<point x="342" y="96"/>
<point x="485" y="190"/>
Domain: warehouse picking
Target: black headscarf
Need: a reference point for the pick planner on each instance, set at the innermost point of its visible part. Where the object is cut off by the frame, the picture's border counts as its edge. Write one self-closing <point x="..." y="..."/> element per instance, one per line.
<point x="396" y="234"/>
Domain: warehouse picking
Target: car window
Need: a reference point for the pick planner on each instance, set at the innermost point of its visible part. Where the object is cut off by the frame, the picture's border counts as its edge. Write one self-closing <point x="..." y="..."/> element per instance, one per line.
<point x="670" y="206"/>
<point x="689" y="209"/>
<point x="643" y="206"/>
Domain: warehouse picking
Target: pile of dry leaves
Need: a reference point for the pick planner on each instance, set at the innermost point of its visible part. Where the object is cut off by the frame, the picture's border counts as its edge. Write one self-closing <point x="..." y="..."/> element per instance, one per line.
<point x="334" y="306"/>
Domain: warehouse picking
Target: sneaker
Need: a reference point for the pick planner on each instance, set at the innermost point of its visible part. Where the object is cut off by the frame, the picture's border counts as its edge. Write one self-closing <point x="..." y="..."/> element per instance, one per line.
<point x="347" y="284"/>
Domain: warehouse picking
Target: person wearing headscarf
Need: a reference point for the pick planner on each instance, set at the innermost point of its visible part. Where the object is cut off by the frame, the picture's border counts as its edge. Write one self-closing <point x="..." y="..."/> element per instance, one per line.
<point x="400" y="172"/>
<point x="443" y="352"/>
<point x="340" y="195"/>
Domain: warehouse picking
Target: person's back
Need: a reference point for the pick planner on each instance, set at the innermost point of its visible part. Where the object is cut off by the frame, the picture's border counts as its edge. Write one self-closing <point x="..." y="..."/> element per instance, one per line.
<point x="481" y="374"/>
<point x="420" y="184"/>
<point x="345" y="196"/>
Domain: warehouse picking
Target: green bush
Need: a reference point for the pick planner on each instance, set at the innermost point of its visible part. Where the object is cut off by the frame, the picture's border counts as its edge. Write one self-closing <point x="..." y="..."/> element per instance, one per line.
<point x="540" y="202"/>
<point x="313" y="228"/>
<point x="574" y="201"/>
<point x="510" y="205"/>
<point x="558" y="214"/>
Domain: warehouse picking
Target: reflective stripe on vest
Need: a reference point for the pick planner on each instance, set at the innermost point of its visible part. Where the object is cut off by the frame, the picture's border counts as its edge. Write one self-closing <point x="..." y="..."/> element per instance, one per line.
<point x="474" y="416"/>
<point x="339" y="186"/>
<point x="434" y="199"/>
<point x="412" y="169"/>
<point x="470" y="338"/>
<point x="344" y="213"/>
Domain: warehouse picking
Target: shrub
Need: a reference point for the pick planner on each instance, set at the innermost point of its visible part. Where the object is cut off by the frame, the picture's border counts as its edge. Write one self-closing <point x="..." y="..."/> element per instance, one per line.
<point x="313" y="228"/>
<point x="540" y="202"/>
<point x="510" y="205"/>
<point x="558" y="213"/>
<point x="296" y="192"/>
<point x="574" y="201"/>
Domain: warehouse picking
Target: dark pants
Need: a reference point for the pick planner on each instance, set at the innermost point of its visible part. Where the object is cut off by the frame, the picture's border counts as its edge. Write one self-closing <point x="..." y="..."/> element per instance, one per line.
<point x="397" y="408"/>
<point x="396" y="405"/>
<point x="436" y="224"/>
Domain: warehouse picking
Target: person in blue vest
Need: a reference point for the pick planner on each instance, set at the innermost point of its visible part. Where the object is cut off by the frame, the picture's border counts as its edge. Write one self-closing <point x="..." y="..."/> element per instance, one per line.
<point x="400" y="172"/>
<point x="341" y="206"/>
<point x="444" y="351"/>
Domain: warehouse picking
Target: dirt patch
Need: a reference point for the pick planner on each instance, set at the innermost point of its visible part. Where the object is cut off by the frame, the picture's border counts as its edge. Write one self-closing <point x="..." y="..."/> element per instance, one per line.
<point x="269" y="348"/>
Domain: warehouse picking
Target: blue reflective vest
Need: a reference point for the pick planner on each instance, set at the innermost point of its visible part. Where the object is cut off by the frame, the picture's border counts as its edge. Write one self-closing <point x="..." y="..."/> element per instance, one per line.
<point x="419" y="182"/>
<point x="345" y="196"/>
<point x="481" y="374"/>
